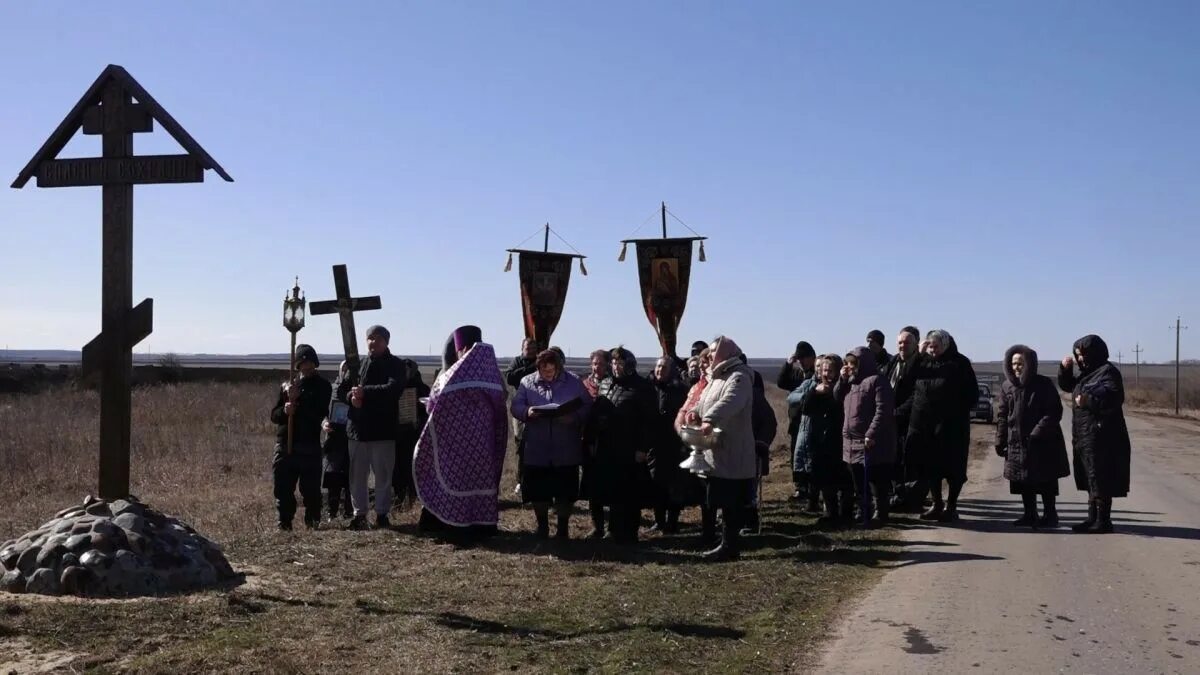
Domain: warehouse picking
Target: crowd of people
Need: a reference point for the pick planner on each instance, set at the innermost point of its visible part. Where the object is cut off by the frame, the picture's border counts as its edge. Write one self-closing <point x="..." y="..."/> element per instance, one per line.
<point x="870" y="434"/>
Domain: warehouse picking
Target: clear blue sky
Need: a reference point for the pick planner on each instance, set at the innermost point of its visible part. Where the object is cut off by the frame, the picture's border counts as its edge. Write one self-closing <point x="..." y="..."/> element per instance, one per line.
<point x="1018" y="171"/>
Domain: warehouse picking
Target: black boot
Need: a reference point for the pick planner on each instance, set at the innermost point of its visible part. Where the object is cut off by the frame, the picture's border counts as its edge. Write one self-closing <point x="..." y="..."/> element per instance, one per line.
<point x="660" y="520"/>
<point x="831" y="507"/>
<point x="1091" y="518"/>
<point x="750" y="522"/>
<point x="939" y="507"/>
<point x="950" y="515"/>
<point x="708" y="525"/>
<point x="847" y="506"/>
<point x="672" y="520"/>
<point x="730" y="547"/>
<point x="1103" y="524"/>
<point x="1049" y="512"/>
<point x="597" y="521"/>
<point x="882" y="509"/>
<point x="1029" y="519"/>
<point x="564" y="522"/>
<point x="543" y="522"/>
<point x="334" y="503"/>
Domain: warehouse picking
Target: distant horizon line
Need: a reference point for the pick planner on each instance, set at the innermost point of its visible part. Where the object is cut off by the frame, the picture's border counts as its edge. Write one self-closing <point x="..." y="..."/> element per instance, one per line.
<point x="74" y="355"/>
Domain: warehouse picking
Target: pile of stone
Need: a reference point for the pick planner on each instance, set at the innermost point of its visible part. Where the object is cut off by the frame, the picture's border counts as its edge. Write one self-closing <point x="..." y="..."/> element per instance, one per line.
<point x="118" y="548"/>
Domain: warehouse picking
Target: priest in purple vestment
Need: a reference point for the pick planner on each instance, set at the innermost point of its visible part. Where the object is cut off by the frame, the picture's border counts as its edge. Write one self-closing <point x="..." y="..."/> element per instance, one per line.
<point x="460" y="456"/>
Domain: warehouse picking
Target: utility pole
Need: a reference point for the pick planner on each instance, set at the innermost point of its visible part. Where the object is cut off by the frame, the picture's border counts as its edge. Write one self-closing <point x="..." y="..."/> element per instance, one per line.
<point x="1137" y="364"/>
<point x="1179" y="327"/>
<point x="1119" y="355"/>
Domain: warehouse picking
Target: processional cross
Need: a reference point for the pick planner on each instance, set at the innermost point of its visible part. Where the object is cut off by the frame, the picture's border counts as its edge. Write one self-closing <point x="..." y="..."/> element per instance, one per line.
<point x="345" y="306"/>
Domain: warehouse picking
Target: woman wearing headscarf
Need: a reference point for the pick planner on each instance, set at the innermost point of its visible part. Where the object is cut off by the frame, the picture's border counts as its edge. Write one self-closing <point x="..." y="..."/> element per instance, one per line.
<point x="818" y="450"/>
<point x="695" y="489"/>
<point x="1029" y="436"/>
<point x="939" y="429"/>
<point x="799" y="368"/>
<point x="727" y="406"/>
<point x="553" y="439"/>
<point x="622" y="424"/>
<point x="1099" y="437"/>
<point x="666" y="450"/>
<point x="868" y="431"/>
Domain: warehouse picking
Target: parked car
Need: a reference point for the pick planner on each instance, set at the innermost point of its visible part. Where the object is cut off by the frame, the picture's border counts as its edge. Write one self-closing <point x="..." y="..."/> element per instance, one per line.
<point x="984" y="408"/>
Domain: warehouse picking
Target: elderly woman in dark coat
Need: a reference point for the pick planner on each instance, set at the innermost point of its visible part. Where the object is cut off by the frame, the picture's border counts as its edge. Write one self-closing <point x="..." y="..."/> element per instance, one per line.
<point x="818" y="450"/>
<point x="939" y="429"/>
<point x="868" y="431"/>
<point x="553" y="439"/>
<point x="667" y="451"/>
<point x="622" y="422"/>
<point x="1099" y="436"/>
<point x="1029" y="436"/>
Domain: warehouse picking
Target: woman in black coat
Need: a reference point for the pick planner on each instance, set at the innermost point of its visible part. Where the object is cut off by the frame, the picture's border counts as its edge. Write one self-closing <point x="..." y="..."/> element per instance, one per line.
<point x="622" y="423"/>
<point x="1029" y="436"/>
<point x="1099" y="437"/>
<point x="939" y="430"/>
<point x="670" y="491"/>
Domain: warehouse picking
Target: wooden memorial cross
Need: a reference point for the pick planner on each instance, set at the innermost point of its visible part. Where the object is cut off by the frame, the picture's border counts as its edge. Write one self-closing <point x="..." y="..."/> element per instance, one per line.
<point x="115" y="108"/>
<point x="345" y="306"/>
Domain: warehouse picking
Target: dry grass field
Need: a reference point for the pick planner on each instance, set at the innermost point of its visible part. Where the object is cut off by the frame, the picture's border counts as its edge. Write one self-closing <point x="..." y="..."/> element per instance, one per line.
<point x="336" y="601"/>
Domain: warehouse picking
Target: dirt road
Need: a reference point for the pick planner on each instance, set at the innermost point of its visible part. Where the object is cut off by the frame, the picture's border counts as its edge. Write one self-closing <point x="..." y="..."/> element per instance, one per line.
<point x="986" y="597"/>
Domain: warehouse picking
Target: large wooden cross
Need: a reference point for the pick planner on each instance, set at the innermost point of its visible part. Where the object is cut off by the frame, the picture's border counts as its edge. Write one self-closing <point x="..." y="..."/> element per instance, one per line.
<point x="115" y="108"/>
<point x="345" y="306"/>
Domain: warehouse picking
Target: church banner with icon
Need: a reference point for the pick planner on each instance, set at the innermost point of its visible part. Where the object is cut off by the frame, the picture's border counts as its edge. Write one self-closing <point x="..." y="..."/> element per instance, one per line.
<point x="544" y="281"/>
<point x="665" y="269"/>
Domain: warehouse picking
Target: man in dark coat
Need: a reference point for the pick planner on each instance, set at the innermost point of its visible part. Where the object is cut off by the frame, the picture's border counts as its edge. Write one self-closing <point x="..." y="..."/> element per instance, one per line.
<point x="621" y="422"/>
<point x="1029" y="436"/>
<point x="336" y="450"/>
<point x="518" y="368"/>
<point x="413" y="416"/>
<point x="305" y="401"/>
<point x="939" y="430"/>
<point x="798" y="368"/>
<point x="875" y="343"/>
<point x="765" y="425"/>
<point x="908" y="482"/>
<point x="1099" y="436"/>
<point x="667" y="450"/>
<point x="372" y="428"/>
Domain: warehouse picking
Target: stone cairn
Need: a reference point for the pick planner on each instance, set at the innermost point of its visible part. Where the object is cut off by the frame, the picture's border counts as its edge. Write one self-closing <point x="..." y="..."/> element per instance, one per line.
<point x="118" y="548"/>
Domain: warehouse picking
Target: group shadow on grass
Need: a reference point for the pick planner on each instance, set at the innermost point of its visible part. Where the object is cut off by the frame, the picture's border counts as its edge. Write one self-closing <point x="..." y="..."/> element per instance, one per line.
<point x="785" y="535"/>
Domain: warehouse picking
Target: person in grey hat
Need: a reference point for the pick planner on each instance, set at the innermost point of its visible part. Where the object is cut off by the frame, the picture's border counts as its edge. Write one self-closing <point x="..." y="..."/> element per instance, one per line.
<point x="374" y="420"/>
<point x="305" y="401"/>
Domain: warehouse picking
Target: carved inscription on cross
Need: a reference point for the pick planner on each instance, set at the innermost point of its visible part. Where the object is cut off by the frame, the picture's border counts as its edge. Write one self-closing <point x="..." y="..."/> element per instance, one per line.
<point x="108" y="109"/>
<point x="345" y="306"/>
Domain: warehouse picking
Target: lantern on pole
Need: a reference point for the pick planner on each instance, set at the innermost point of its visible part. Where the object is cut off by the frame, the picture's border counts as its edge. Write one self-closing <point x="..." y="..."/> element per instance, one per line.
<point x="293" y="321"/>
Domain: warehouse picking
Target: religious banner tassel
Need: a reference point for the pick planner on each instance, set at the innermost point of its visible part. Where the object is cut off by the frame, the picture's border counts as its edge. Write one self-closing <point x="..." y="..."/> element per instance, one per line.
<point x="621" y="258"/>
<point x="582" y="267"/>
<point x="703" y="258"/>
<point x="508" y="265"/>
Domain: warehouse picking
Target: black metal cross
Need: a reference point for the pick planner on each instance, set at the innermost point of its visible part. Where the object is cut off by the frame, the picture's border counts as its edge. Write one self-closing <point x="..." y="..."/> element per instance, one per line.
<point x="345" y="306"/>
